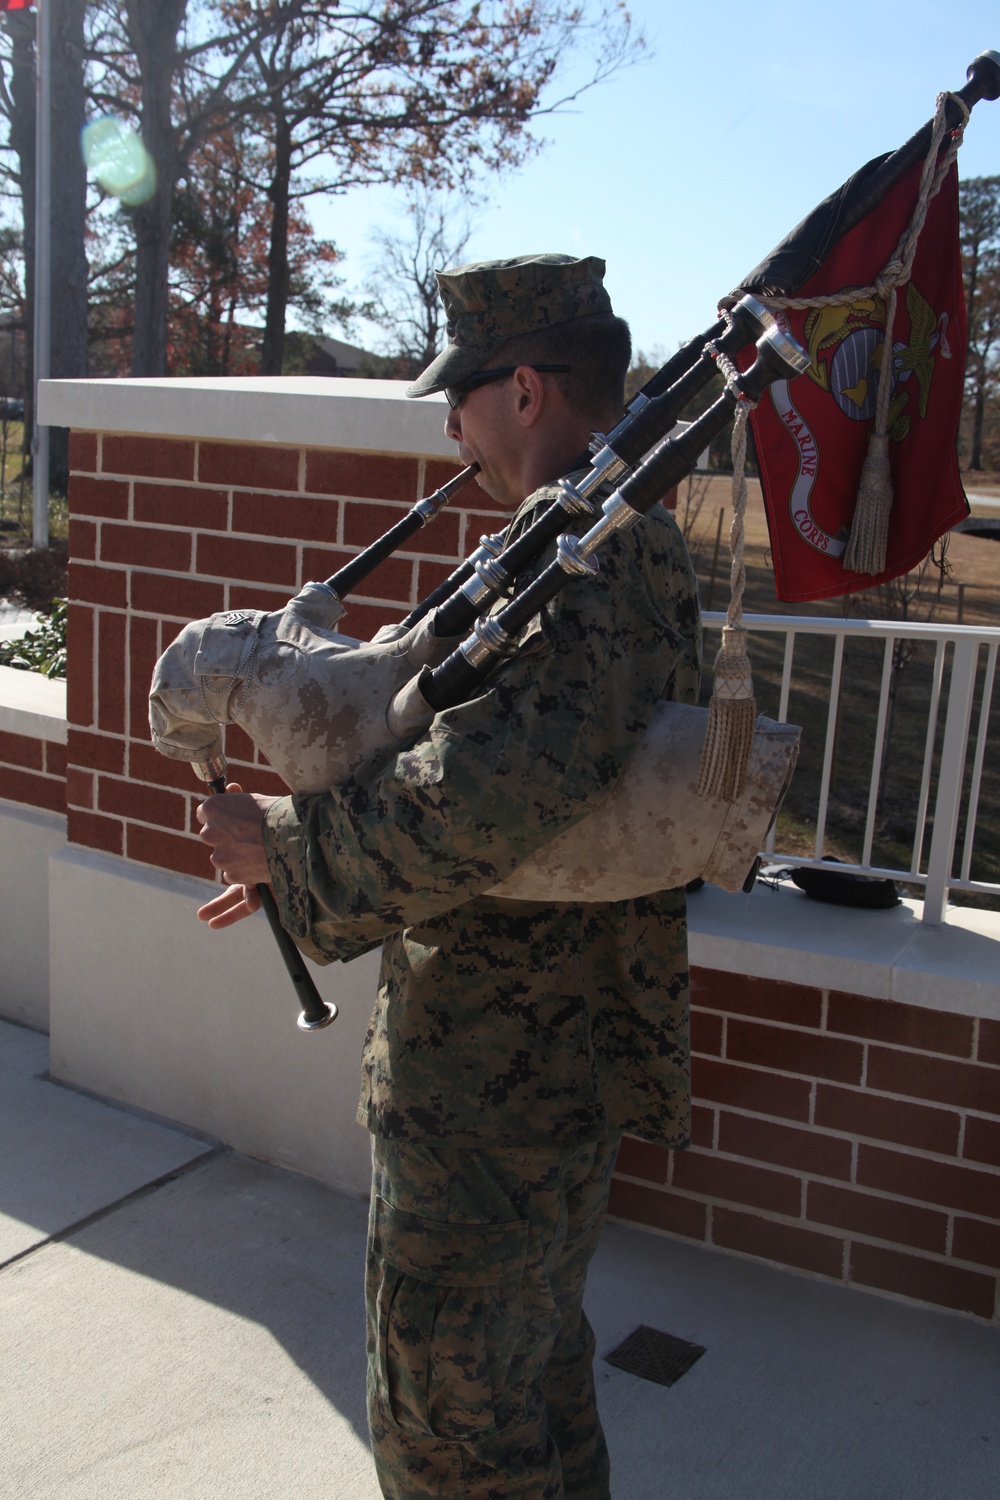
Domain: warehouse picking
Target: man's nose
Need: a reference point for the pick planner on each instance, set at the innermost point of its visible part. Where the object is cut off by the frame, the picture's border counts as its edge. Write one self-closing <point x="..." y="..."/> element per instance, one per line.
<point x="453" y="424"/>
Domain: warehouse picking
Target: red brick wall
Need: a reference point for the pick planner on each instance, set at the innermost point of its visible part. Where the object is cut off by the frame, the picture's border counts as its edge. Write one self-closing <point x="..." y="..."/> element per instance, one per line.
<point x="848" y="1137"/>
<point x="855" y="1138"/>
<point x="163" y="531"/>
<point x="32" y="771"/>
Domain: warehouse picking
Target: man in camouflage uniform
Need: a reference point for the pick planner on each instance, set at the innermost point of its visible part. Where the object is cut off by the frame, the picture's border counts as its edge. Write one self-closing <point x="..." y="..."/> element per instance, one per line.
<point x="511" y="1043"/>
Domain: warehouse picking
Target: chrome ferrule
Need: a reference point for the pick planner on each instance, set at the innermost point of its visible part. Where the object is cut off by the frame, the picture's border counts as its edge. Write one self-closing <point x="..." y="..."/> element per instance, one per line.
<point x="489" y="577"/>
<point x="618" y="515"/>
<point x="614" y="503"/>
<point x="621" y="512"/>
<point x="475" y="589"/>
<point x="572" y="499"/>
<point x="764" y="315"/>
<point x="428" y="507"/>
<point x="305" y="1024"/>
<point x="489" y="546"/>
<point x="787" y="348"/>
<point x="488" y="580"/>
<point x="488" y="640"/>
<point x="605" y="469"/>
<point x="494" y="575"/>
<point x="572" y="559"/>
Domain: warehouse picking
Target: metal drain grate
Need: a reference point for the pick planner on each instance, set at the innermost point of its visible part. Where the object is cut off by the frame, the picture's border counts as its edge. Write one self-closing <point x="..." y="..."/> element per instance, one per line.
<point x="655" y="1356"/>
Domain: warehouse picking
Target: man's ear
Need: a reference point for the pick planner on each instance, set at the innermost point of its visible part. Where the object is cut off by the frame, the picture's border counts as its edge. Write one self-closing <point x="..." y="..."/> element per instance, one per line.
<point x="529" y="395"/>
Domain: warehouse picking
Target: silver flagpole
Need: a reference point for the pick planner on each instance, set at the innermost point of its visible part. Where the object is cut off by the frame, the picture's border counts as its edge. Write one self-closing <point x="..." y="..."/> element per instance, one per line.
<point x="43" y="285"/>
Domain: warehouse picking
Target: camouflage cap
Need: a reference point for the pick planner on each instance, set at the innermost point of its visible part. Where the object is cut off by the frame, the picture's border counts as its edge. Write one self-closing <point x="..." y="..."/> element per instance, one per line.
<point x="490" y="301"/>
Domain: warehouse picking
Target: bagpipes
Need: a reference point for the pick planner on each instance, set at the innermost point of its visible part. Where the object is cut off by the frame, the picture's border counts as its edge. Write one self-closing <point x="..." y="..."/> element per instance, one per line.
<point x="317" y="703"/>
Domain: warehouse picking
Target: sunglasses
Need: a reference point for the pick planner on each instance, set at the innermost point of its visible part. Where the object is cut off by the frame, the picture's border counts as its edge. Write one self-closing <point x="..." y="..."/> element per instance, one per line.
<point x="455" y="394"/>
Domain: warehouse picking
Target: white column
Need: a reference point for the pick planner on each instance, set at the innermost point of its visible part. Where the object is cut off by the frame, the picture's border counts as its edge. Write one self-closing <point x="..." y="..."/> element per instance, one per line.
<point x="948" y="803"/>
<point x="43" y="280"/>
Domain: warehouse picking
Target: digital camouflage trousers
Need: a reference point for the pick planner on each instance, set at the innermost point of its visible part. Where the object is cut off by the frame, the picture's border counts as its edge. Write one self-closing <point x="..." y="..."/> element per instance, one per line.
<point x="480" y="1356"/>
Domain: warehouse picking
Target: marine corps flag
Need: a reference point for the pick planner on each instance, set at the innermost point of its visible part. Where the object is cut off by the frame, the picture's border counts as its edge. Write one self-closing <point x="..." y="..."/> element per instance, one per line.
<point x="812" y="436"/>
<point x="15" y="4"/>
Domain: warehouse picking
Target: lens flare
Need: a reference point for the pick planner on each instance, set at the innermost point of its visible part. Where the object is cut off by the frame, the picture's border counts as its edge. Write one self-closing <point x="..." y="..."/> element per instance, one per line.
<point x="118" y="160"/>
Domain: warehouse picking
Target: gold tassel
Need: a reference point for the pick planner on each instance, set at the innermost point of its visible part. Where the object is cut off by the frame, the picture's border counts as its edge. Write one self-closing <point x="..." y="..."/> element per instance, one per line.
<point x="732" y="715"/>
<point x="866" y="550"/>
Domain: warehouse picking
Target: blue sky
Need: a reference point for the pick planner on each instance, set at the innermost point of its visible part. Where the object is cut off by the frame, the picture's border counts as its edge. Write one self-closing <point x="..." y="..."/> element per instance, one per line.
<point x="687" y="168"/>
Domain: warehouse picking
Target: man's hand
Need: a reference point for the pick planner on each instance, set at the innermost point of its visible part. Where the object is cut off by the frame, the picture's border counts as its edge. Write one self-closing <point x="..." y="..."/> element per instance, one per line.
<point x="235" y="903"/>
<point x="233" y="826"/>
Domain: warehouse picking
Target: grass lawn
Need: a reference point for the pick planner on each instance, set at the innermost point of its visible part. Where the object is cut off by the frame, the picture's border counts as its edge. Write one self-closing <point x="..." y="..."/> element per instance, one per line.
<point x="30" y="577"/>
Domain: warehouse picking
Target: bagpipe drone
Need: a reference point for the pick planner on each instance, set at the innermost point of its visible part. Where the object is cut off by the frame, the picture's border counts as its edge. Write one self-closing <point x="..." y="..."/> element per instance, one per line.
<point x="704" y="786"/>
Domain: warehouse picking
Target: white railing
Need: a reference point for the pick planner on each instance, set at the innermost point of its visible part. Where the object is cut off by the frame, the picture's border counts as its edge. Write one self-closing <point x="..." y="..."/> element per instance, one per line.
<point x="954" y="751"/>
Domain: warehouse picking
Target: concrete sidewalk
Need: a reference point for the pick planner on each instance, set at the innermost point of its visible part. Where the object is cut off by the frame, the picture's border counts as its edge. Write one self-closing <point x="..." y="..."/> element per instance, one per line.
<point x="179" y="1321"/>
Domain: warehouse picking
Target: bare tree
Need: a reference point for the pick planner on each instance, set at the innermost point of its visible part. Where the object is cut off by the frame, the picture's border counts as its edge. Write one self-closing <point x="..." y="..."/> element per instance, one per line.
<point x="17" y="100"/>
<point x="402" y="285"/>
<point x="68" y="182"/>
<point x="412" y="90"/>
<point x="979" y="229"/>
<point x="219" y="262"/>
<point x="200" y="74"/>
<point x="68" y="262"/>
<point x="386" y="90"/>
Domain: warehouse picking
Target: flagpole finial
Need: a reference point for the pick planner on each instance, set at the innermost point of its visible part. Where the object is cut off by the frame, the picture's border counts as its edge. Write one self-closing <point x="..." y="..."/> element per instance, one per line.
<point x="987" y="66"/>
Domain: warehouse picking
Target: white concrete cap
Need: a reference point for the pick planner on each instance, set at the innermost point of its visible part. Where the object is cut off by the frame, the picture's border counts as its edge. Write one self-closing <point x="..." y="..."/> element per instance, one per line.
<point x="310" y="411"/>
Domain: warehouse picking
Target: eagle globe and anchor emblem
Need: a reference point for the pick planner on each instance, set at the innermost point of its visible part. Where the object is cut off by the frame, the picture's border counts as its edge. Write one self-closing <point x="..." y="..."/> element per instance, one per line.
<point x="846" y="345"/>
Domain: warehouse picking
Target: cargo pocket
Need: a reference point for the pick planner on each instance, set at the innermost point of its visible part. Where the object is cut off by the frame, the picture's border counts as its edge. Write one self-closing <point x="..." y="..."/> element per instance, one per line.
<point x="450" y="1332"/>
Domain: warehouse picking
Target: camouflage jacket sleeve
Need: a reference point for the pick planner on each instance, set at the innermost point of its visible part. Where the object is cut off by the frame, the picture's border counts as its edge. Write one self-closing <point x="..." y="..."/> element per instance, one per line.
<point x="427" y="825"/>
